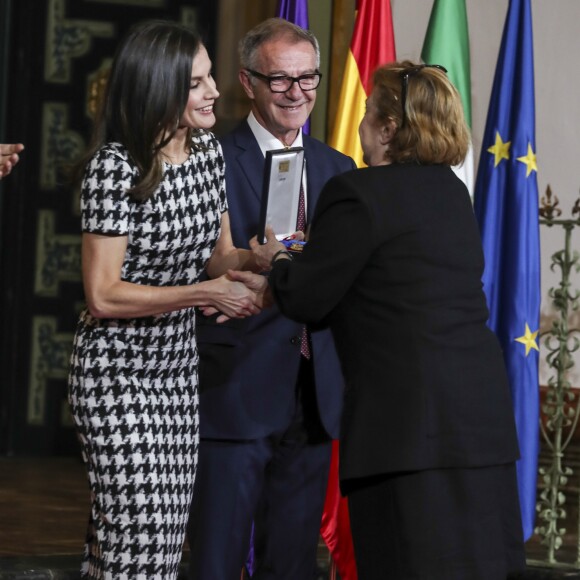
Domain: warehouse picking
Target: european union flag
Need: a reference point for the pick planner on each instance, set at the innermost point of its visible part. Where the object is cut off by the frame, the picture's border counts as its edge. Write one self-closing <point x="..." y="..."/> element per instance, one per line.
<point x="506" y="207"/>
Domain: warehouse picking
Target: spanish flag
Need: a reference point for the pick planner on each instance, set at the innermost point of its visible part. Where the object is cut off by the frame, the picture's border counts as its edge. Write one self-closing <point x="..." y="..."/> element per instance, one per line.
<point x="335" y="526"/>
<point x="373" y="44"/>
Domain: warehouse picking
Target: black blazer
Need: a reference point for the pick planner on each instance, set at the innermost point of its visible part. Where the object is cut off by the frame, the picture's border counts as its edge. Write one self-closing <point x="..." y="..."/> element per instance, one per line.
<point x="394" y="266"/>
<point x="248" y="368"/>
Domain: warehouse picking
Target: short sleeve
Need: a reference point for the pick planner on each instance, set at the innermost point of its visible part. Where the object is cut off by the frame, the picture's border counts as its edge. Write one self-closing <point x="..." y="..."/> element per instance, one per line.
<point x="105" y="204"/>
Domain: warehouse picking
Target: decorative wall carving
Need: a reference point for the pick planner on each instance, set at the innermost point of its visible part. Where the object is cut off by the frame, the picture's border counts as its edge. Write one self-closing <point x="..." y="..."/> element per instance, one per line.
<point x="58" y="256"/>
<point x="49" y="359"/>
<point x="189" y="17"/>
<point x="145" y="3"/>
<point x="67" y="39"/>
<point x="96" y="85"/>
<point x="70" y="52"/>
<point x="60" y="145"/>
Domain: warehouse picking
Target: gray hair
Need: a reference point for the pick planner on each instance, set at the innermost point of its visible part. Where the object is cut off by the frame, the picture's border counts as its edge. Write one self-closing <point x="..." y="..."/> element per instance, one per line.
<point x="273" y="29"/>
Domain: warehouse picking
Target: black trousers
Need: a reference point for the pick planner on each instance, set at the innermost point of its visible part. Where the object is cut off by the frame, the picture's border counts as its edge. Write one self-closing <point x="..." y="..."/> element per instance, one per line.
<point x="277" y="483"/>
<point x="447" y="524"/>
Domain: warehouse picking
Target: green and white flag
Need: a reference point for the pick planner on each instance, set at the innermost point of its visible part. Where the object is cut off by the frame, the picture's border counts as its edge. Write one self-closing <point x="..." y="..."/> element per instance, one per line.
<point x="447" y="43"/>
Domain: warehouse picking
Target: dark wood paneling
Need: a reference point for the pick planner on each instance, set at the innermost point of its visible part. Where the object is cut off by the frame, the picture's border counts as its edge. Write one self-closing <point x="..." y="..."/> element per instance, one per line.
<point x="41" y="294"/>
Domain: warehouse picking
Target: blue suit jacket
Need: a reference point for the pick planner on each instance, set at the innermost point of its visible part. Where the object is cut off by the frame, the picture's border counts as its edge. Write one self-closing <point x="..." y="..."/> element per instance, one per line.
<point x="248" y="368"/>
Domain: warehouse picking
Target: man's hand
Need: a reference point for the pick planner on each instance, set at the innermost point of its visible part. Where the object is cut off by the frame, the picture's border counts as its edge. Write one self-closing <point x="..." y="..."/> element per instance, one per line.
<point x="263" y="253"/>
<point x="9" y="157"/>
<point x="257" y="284"/>
<point x="253" y="282"/>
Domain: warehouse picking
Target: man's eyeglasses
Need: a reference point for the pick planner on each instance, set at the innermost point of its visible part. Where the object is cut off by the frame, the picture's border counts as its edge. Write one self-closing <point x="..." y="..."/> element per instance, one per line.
<point x="283" y="83"/>
<point x="405" y="74"/>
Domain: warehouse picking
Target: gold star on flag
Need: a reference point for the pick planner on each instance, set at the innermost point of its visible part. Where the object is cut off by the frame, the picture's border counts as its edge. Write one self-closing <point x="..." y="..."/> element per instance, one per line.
<point x="529" y="340"/>
<point x="529" y="160"/>
<point x="500" y="149"/>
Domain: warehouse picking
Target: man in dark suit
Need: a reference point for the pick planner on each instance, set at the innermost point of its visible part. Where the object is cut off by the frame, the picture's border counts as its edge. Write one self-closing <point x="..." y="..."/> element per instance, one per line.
<point x="268" y="410"/>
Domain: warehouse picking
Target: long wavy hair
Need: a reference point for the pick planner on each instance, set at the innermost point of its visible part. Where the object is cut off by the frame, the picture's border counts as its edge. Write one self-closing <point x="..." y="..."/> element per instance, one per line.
<point x="434" y="130"/>
<point x="147" y="92"/>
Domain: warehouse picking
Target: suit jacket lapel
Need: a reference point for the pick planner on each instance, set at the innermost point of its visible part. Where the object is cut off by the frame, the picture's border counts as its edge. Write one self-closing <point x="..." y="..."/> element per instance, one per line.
<point x="249" y="158"/>
<point x="251" y="164"/>
<point x="314" y="178"/>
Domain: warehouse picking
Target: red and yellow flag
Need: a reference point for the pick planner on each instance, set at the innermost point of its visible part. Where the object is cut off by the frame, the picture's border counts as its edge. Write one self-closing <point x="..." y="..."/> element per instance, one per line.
<point x="335" y="525"/>
<point x="373" y="44"/>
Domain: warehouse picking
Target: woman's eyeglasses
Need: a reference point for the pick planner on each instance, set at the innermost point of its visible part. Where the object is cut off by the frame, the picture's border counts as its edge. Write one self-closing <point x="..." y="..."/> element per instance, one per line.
<point x="405" y="74"/>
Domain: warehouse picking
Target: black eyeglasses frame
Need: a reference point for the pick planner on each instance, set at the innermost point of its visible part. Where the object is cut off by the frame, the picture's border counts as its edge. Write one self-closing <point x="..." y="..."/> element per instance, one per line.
<point x="269" y="79"/>
<point x="405" y="74"/>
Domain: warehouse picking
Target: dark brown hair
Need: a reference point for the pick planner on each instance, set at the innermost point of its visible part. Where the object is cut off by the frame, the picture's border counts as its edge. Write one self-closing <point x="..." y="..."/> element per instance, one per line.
<point x="146" y="94"/>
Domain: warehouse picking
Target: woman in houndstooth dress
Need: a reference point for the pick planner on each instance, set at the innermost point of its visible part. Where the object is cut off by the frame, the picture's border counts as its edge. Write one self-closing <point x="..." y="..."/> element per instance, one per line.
<point x="154" y="216"/>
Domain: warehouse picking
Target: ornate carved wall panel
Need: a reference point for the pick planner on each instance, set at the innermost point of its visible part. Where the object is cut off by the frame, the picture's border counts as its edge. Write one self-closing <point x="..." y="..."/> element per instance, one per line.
<point x="67" y="39"/>
<point x="58" y="256"/>
<point x="57" y="66"/>
<point x="49" y="357"/>
<point x="60" y="145"/>
<point x="144" y="3"/>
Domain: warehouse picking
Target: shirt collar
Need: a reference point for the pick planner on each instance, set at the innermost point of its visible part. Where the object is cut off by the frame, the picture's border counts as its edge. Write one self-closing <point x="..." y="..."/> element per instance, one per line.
<point x="265" y="139"/>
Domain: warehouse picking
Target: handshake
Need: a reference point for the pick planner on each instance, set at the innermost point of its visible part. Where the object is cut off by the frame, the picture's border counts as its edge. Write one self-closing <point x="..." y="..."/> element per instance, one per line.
<point x="246" y="293"/>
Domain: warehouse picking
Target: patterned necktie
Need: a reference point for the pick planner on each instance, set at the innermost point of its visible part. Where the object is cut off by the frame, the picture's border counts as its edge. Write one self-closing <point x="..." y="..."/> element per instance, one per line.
<point x="301" y="218"/>
<point x="300" y="226"/>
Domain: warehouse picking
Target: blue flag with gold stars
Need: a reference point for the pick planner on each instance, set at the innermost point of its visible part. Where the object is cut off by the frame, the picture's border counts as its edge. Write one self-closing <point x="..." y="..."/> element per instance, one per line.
<point x="506" y="207"/>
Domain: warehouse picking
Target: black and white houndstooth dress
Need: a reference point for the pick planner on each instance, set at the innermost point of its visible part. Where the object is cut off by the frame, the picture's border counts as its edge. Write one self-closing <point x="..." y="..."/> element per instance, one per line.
<point x="133" y="382"/>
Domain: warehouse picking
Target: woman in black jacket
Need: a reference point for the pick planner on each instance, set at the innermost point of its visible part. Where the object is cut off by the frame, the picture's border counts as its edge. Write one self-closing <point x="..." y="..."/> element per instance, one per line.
<point x="394" y="265"/>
